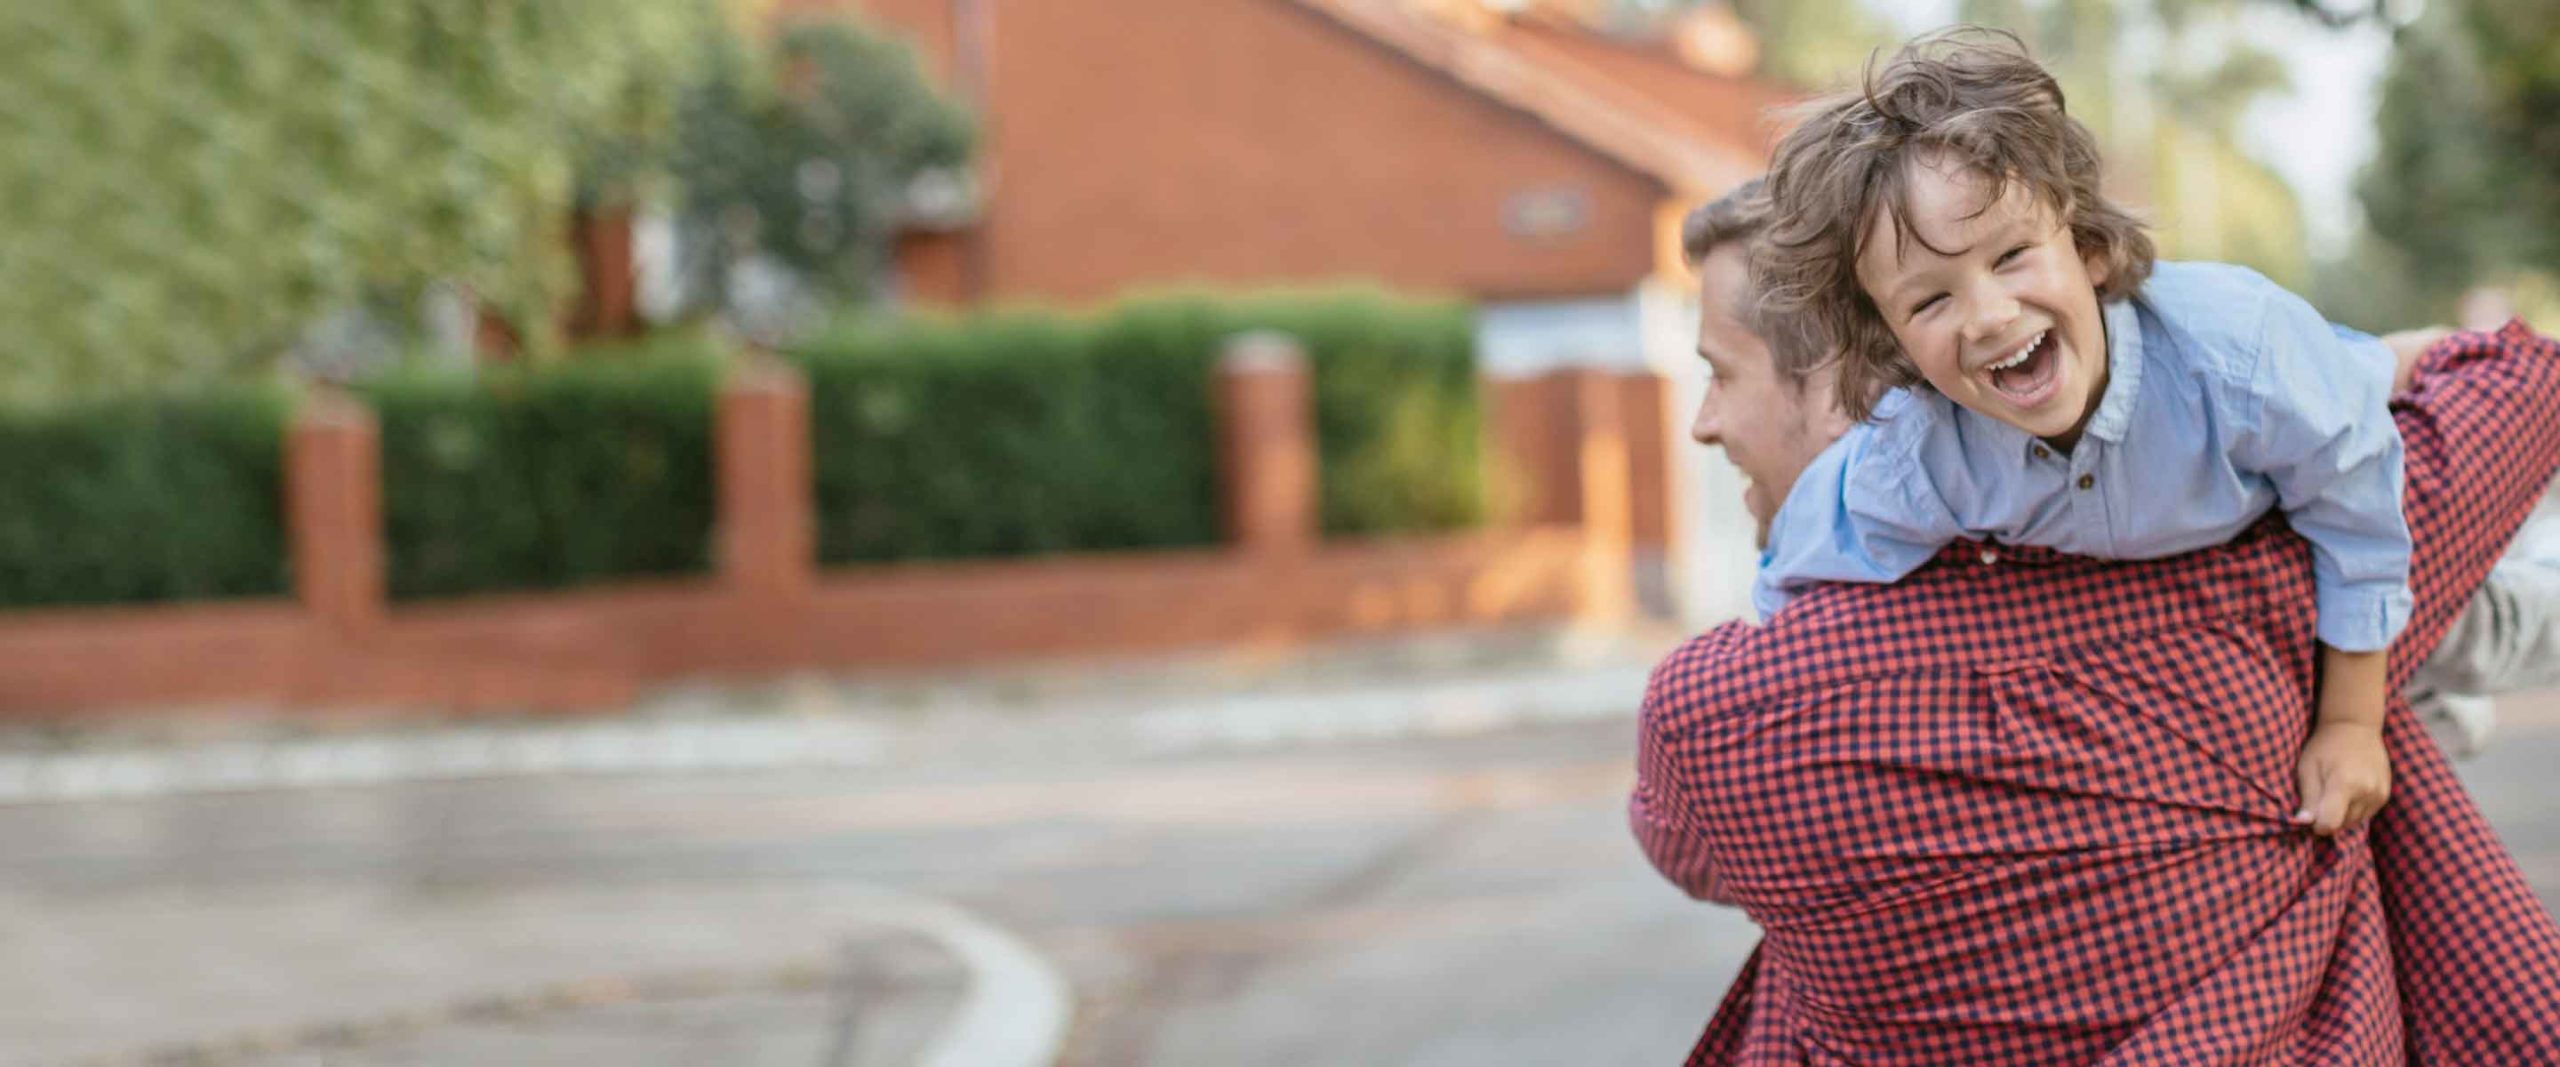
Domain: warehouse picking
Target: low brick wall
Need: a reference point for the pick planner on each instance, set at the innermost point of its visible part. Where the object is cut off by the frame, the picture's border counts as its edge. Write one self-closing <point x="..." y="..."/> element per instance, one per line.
<point x="1577" y="447"/>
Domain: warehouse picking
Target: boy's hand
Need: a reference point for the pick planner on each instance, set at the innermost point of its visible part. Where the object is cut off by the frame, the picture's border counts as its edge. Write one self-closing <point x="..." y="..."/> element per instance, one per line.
<point x="2345" y="776"/>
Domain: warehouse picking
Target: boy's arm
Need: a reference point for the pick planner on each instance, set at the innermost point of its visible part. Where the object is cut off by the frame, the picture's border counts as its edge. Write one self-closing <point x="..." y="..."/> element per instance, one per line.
<point x="2316" y="421"/>
<point x="2344" y="772"/>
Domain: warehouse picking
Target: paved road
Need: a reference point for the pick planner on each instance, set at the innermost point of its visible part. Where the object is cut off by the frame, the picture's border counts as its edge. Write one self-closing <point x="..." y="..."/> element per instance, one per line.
<point x="1418" y="901"/>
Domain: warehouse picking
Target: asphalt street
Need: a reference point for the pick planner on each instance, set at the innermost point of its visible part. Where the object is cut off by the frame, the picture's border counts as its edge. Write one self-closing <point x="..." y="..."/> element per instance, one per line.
<point x="1439" y="899"/>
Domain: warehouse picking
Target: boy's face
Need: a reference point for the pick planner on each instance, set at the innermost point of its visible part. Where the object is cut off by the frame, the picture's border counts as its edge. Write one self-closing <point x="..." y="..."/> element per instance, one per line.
<point x="2011" y="284"/>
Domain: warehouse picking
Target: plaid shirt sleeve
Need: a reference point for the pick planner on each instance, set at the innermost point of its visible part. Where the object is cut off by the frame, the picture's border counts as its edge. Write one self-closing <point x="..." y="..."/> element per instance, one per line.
<point x="1662" y="827"/>
<point x="2024" y="808"/>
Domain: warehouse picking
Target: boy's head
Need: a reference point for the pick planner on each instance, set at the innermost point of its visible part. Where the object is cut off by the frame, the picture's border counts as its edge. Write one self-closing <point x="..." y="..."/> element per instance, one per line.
<point x="1942" y="222"/>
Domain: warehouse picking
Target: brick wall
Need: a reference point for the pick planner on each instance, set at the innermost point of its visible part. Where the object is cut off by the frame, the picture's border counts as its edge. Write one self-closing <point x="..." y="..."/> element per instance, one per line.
<point x="1575" y="443"/>
<point x="1138" y="142"/>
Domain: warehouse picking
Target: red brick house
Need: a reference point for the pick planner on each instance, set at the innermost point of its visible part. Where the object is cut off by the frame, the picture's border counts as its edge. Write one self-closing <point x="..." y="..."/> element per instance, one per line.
<point x="1433" y="145"/>
<point x="1503" y="152"/>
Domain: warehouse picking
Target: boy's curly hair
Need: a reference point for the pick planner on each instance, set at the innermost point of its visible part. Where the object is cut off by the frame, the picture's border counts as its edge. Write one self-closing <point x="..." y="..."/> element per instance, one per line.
<point x="1968" y="94"/>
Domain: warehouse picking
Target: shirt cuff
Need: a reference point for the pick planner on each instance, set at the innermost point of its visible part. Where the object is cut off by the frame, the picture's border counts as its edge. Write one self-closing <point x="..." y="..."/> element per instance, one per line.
<point x="2363" y="618"/>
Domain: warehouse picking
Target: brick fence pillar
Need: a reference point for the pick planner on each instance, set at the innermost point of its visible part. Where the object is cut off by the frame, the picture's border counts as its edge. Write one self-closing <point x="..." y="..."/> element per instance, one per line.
<point x="1601" y="500"/>
<point x="766" y="536"/>
<point x="1645" y="407"/>
<point x="333" y="503"/>
<point x="1266" y="445"/>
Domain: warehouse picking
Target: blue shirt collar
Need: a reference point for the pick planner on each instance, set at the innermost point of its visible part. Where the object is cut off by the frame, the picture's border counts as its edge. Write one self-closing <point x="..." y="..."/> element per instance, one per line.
<point x="2123" y="338"/>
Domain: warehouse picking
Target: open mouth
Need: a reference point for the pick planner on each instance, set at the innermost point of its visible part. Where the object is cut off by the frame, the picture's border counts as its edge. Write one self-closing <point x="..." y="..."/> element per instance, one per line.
<point x="2029" y="377"/>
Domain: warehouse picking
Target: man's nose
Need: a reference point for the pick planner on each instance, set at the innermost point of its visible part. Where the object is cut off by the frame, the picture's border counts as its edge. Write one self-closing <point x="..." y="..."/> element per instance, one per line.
<point x="1707" y="428"/>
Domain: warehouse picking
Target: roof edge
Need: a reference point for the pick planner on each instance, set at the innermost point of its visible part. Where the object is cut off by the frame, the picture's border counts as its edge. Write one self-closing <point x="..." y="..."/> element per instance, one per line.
<point x="1620" y="134"/>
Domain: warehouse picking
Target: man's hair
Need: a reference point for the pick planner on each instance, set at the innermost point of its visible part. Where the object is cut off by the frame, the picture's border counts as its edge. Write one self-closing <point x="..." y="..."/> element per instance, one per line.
<point x="1969" y="95"/>
<point x="1740" y="215"/>
<point x="1741" y="218"/>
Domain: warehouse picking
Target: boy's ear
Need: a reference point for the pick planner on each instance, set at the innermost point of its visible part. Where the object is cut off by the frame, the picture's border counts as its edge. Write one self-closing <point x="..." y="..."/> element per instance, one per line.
<point x="2096" y="262"/>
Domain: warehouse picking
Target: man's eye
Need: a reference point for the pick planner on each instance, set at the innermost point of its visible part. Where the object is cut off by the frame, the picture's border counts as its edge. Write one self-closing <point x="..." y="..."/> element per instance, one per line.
<point x="2011" y="254"/>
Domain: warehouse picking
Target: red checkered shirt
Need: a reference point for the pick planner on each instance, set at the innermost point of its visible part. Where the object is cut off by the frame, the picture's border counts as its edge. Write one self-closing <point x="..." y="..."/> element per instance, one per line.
<point x="2025" y="808"/>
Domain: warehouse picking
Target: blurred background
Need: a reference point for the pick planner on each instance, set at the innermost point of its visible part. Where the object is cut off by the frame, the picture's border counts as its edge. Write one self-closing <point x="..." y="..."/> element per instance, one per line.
<point x="974" y="531"/>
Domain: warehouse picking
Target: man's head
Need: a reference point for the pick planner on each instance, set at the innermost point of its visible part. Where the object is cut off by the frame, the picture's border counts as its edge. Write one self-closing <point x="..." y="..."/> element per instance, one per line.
<point x="1770" y="414"/>
<point x="1940" y="222"/>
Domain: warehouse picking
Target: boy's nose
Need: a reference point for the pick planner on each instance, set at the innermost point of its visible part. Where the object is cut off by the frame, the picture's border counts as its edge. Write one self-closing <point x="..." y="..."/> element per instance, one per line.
<point x="1990" y="320"/>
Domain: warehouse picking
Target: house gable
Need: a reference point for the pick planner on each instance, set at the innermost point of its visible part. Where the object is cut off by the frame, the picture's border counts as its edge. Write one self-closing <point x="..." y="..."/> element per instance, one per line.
<point x="1137" y="143"/>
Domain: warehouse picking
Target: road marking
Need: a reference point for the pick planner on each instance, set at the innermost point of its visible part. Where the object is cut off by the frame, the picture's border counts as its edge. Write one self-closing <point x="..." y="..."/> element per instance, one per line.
<point x="1016" y="1010"/>
<point x="1013" y="1011"/>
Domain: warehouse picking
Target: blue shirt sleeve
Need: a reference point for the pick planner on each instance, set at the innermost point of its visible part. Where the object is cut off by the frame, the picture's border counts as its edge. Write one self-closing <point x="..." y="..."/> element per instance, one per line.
<point x="1863" y="511"/>
<point x="2317" y="424"/>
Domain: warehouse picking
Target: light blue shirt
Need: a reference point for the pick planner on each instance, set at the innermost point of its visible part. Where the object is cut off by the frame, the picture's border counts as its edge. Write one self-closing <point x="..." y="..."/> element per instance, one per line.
<point x="2225" y="396"/>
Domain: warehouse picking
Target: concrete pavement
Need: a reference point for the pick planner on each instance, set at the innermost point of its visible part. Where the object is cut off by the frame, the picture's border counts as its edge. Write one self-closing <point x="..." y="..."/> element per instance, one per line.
<point x="1282" y="883"/>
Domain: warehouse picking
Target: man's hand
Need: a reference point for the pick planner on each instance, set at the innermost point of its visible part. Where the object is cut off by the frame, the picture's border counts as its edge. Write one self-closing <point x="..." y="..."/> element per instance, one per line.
<point x="2345" y="776"/>
<point x="2406" y="346"/>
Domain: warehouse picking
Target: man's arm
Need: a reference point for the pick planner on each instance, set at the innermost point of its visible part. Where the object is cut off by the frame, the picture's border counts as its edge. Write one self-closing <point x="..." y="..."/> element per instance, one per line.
<point x="2478" y="956"/>
<point x="2481" y="427"/>
<point x="1661" y="822"/>
<point x="2508" y="639"/>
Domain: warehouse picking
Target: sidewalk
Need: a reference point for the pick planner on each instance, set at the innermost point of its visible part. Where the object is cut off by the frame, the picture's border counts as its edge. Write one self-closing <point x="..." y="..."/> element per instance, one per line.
<point x="1436" y="685"/>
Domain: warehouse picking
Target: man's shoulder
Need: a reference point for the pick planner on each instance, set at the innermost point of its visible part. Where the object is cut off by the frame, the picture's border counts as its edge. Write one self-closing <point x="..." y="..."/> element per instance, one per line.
<point x="2009" y="598"/>
<point x="1811" y="648"/>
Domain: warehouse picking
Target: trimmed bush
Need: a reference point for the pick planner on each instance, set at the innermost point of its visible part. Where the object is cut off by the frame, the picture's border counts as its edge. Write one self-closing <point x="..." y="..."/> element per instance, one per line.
<point x="1005" y="435"/>
<point x="1023" y="433"/>
<point x="1399" y="425"/>
<point x="594" y="468"/>
<point x="174" y="497"/>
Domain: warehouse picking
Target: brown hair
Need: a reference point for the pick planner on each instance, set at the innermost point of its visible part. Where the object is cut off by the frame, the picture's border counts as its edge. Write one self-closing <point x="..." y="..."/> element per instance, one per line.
<point x="1741" y="217"/>
<point x="1741" y="214"/>
<point x="1969" y="94"/>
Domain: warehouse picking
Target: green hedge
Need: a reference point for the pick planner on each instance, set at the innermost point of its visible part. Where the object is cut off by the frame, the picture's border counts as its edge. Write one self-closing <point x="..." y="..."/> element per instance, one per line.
<point x="595" y="468"/>
<point x="997" y="435"/>
<point x="1004" y="435"/>
<point x="147" y="498"/>
<point x="1021" y="433"/>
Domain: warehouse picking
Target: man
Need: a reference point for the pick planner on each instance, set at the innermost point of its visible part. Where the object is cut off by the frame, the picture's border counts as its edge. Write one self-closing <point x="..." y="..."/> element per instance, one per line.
<point x="2024" y="808"/>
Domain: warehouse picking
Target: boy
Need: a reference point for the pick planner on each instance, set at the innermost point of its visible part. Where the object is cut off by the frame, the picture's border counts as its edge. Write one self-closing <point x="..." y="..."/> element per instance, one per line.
<point x="2028" y="374"/>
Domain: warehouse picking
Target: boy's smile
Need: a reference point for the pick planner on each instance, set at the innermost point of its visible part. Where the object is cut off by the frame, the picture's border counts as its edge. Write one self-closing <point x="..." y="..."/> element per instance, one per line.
<point x="1992" y="303"/>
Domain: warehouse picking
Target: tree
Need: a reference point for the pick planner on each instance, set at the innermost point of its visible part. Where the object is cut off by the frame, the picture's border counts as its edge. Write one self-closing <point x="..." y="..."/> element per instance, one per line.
<point x="2464" y="187"/>
<point x="189" y="187"/>
<point x="810" y="155"/>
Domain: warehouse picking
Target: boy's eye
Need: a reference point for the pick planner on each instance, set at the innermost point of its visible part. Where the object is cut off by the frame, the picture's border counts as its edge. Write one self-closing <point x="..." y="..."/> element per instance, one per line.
<point x="2011" y="254"/>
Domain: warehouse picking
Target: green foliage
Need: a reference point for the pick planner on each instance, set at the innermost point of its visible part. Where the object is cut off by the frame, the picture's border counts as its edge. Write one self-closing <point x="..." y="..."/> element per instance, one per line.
<point x="145" y="498"/>
<point x="188" y="186"/>
<point x="809" y="154"/>
<point x="2465" y="181"/>
<point x="533" y="478"/>
<point x="1023" y="433"/>
<point x="1818" y="43"/>
<point x="1398" y="423"/>
<point x="1005" y="435"/>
